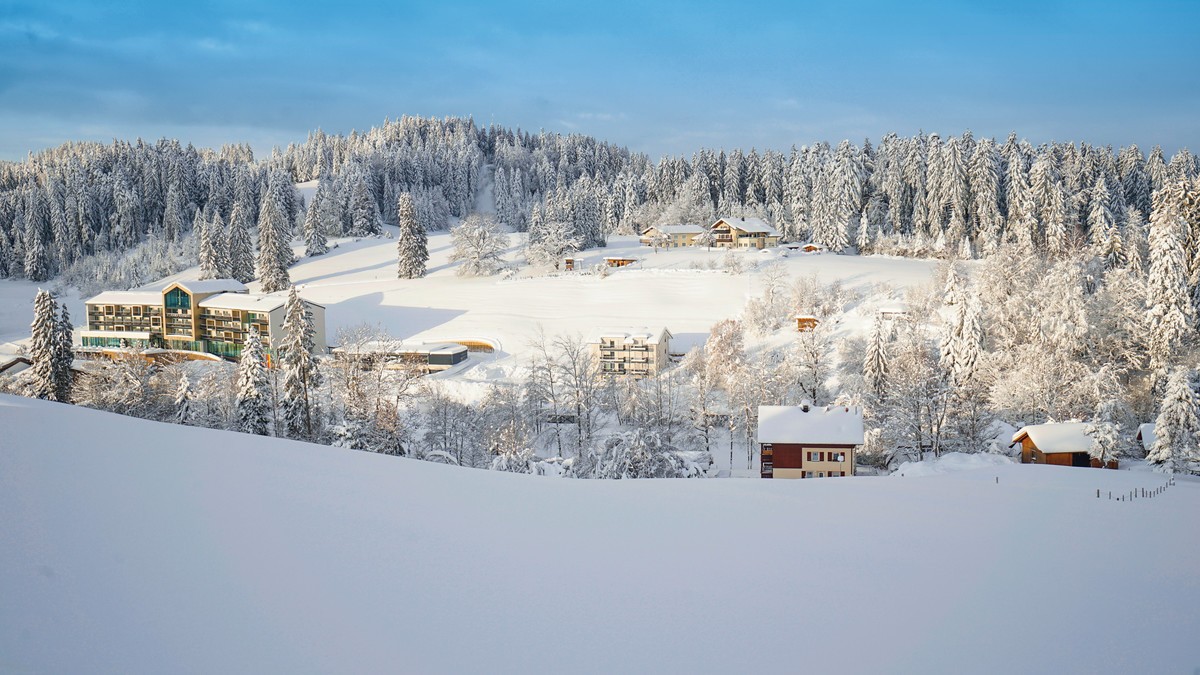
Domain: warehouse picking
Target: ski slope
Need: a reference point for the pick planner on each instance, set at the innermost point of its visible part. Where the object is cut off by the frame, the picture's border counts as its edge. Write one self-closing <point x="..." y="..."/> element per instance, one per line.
<point x="131" y="546"/>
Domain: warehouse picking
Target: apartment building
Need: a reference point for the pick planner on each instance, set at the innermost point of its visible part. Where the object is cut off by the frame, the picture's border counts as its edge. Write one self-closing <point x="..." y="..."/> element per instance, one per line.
<point x="640" y="352"/>
<point x="212" y="316"/>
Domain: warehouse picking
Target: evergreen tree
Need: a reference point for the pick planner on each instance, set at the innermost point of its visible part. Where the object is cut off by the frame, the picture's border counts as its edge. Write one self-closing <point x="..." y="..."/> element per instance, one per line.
<point x="64" y="356"/>
<point x="240" y="251"/>
<point x="253" y="395"/>
<point x="1169" y="311"/>
<point x="220" y="238"/>
<point x="875" y="365"/>
<point x="274" y="252"/>
<point x="364" y="215"/>
<point x="315" y="242"/>
<point x="183" y="400"/>
<point x="1176" y="446"/>
<point x="210" y="260"/>
<point x="43" y="346"/>
<point x="301" y="376"/>
<point x="413" y="246"/>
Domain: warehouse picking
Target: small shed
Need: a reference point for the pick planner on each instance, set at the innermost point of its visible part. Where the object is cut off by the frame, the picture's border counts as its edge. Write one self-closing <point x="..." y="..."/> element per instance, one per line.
<point x="808" y="441"/>
<point x="618" y="261"/>
<point x="569" y="264"/>
<point x="893" y="311"/>
<point x="1146" y="436"/>
<point x="1062" y="444"/>
<point x="806" y="322"/>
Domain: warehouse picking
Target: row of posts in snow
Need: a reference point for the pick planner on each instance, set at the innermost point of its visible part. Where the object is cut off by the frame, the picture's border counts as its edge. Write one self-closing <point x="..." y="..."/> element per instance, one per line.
<point x="1139" y="493"/>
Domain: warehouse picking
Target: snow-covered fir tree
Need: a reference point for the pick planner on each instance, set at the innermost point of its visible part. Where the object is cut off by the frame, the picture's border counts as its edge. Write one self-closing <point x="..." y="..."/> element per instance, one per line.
<point x="364" y="215"/>
<point x="301" y="376"/>
<point x="274" y="249"/>
<point x="64" y="355"/>
<point x="253" y="397"/>
<point x="240" y="248"/>
<point x="1176" y="446"/>
<point x="413" y="245"/>
<point x="315" y="241"/>
<point x="875" y="362"/>
<point x="1169" y="309"/>
<point x="44" y="352"/>
<point x="183" y="400"/>
<point x="1105" y="431"/>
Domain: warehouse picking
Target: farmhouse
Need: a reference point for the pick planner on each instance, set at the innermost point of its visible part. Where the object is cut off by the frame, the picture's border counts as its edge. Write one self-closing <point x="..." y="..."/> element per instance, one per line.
<point x="807" y="441"/>
<point x="1063" y="444"/>
<point x="744" y="233"/>
<point x="637" y="352"/>
<point x="212" y="316"/>
<point x="670" y="236"/>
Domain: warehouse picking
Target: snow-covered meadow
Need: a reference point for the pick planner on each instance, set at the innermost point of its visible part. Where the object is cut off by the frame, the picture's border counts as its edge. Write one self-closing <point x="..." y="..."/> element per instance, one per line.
<point x="134" y="546"/>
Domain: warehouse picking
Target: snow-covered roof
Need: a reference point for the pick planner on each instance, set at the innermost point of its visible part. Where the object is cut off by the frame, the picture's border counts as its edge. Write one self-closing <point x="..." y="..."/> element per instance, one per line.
<point x="397" y="347"/>
<point x="1146" y="435"/>
<point x="11" y="365"/>
<point x="820" y="425"/>
<point x="126" y="298"/>
<point x="618" y="257"/>
<point x="675" y="229"/>
<point x="210" y="285"/>
<point x="246" y="301"/>
<point x="651" y="336"/>
<point x="1055" y="437"/>
<point x="750" y="225"/>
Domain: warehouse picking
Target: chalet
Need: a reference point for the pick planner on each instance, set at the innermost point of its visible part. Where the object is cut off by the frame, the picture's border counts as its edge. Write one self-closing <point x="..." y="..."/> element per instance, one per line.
<point x="1063" y="444"/>
<point x="808" y="441"/>
<point x="210" y="315"/>
<point x="1146" y="436"/>
<point x="806" y="322"/>
<point x="744" y="233"/>
<point x="637" y="352"/>
<point x="619" y="261"/>
<point x="893" y="311"/>
<point x="670" y="236"/>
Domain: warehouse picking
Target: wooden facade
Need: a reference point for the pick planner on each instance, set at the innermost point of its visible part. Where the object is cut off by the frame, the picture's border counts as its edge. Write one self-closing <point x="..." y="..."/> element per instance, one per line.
<point x="806" y="322"/>
<point x="619" y="262"/>
<point x="796" y="460"/>
<point x="1031" y="454"/>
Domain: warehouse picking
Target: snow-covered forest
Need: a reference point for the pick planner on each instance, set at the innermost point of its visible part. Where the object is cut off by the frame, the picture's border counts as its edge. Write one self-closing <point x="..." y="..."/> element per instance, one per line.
<point x="1070" y="287"/>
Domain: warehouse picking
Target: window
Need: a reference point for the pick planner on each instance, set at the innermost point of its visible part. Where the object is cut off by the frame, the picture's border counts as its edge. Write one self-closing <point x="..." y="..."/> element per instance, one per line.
<point x="109" y="310"/>
<point x="155" y="321"/>
<point x="820" y="474"/>
<point x="837" y="457"/>
<point x="137" y="311"/>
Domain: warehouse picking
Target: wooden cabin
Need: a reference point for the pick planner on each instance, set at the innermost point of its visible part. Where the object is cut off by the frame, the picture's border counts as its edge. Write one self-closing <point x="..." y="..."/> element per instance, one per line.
<point x="808" y="441"/>
<point x="1061" y="444"/>
<point x="1146" y="437"/>
<point x="617" y="261"/>
<point x="806" y="322"/>
<point x="569" y="264"/>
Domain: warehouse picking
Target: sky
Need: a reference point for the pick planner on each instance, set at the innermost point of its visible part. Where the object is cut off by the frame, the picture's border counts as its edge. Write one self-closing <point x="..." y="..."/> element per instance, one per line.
<point x="659" y="77"/>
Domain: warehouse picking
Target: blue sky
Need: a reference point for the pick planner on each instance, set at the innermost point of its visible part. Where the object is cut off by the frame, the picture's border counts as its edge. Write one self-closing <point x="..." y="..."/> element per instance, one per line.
<point x="660" y="77"/>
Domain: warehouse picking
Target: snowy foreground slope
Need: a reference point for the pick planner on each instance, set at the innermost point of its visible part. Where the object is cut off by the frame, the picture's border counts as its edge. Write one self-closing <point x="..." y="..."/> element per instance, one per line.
<point x="131" y="546"/>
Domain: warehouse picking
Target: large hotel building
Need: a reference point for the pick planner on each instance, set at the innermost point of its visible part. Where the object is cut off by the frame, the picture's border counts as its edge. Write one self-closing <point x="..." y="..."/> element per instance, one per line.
<point x="212" y="316"/>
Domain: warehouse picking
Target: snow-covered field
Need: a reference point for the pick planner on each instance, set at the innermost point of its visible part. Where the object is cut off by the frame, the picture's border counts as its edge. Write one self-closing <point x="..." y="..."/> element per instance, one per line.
<point x="357" y="284"/>
<point x="130" y="546"/>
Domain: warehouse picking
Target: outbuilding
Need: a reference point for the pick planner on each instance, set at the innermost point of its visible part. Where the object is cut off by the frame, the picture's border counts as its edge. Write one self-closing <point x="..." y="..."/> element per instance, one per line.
<point x="1062" y="443"/>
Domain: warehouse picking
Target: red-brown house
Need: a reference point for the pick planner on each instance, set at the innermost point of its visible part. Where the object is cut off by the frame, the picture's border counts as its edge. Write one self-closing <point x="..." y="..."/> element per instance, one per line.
<point x="807" y="441"/>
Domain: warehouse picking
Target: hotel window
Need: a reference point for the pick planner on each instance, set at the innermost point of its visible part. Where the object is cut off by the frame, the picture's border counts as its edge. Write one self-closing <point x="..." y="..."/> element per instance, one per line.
<point x="109" y="310"/>
<point x="137" y="311"/>
<point x="155" y="321"/>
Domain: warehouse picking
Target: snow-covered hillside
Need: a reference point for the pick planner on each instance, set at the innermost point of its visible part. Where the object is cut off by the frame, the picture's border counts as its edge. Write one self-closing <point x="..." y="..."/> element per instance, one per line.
<point x="131" y="546"/>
